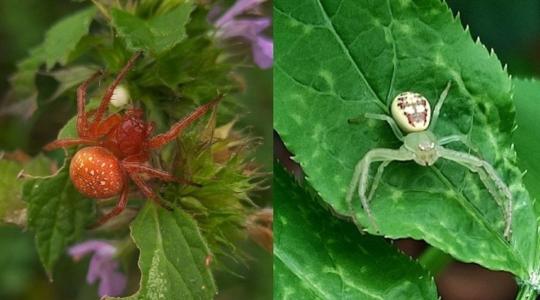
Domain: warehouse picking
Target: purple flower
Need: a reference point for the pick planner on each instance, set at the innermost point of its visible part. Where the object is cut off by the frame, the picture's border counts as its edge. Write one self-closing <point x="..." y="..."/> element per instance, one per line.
<point x="230" y="26"/>
<point x="102" y="266"/>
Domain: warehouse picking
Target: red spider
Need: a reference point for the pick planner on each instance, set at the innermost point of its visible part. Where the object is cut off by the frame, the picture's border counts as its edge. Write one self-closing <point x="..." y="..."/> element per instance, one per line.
<point x="118" y="147"/>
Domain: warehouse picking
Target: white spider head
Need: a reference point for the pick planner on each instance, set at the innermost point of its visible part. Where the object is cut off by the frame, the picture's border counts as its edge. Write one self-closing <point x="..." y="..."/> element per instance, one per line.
<point x="423" y="145"/>
<point x="411" y="111"/>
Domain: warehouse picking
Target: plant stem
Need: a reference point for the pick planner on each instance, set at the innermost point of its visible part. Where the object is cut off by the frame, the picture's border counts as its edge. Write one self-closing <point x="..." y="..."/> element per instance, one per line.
<point x="434" y="260"/>
<point x="102" y="9"/>
<point x="526" y="292"/>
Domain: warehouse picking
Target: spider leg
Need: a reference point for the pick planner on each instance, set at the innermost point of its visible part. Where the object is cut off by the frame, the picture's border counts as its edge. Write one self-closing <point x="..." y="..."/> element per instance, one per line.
<point x="361" y="175"/>
<point x="377" y="178"/>
<point x="120" y="206"/>
<point x="82" y="118"/>
<point x="164" y="138"/>
<point x="147" y="190"/>
<point x="381" y="117"/>
<point x="439" y="104"/>
<point x="142" y="169"/>
<point x="109" y="92"/>
<point x="458" y="138"/>
<point x="64" y="143"/>
<point x="490" y="179"/>
<point x="107" y="125"/>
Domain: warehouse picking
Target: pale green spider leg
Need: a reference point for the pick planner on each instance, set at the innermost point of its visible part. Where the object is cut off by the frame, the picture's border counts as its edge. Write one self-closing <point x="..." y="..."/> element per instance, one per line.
<point x="380" y="169"/>
<point x="489" y="177"/>
<point x="399" y="136"/>
<point x="457" y="138"/>
<point x="452" y="138"/>
<point x="361" y="175"/>
<point x="377" y="178"/>
<point x="438" y="106"/>
<point x="389" y="120"/>
<point x="446" y="140"/>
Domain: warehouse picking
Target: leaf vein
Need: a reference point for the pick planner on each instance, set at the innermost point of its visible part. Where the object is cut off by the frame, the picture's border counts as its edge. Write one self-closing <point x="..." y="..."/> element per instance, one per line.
<point x="347" y="52"/>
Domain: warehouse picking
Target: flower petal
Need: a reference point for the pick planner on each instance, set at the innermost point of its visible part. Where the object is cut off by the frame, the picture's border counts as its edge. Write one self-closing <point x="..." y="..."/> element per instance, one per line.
<point x="263" y="52"/>
<point x="102" y="266"/>
<point x="94" y="269"/>
<point x="248" y="28"/>
<point x="88" y="247"/>
<point x="112" y="284"/>
<point x="239" y="7"/>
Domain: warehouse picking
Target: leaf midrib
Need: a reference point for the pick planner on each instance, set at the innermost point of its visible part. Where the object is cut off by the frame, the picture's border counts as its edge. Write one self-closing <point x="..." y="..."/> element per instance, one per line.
<point x="160" y="247"/>
<point x="347" y="52"/>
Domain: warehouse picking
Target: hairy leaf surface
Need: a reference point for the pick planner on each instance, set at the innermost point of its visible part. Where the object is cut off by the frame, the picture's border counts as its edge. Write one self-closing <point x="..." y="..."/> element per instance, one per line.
<point x="337" y="60"/>
<point x="10" y="187"/>
<point x="64" y="36"/>
<point x="57" y="213"/>
<point x="156" y="35"/>
<point x="335" y="261"/>
<point x="172" y="256"/>
<point x="12" y="177"/>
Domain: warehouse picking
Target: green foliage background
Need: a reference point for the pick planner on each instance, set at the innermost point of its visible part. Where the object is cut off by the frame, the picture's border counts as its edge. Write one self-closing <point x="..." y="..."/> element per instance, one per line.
<point x="24" y="277"/>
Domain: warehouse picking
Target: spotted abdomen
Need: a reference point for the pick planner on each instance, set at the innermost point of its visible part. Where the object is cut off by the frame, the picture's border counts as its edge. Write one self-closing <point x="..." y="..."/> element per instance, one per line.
<point x="411" y="111"/>
<point x="96" y="173"/>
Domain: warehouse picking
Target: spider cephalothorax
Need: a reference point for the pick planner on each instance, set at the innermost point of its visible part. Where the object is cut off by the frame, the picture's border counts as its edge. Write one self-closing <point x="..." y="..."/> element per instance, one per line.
<point x="411" y="113"/>
<point x="117" y="147"/>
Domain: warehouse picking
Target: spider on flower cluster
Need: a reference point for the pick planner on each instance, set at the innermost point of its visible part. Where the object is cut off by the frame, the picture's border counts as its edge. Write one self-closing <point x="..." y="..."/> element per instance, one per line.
<point x="117" y="147"/>
<point x="411" y="113"/>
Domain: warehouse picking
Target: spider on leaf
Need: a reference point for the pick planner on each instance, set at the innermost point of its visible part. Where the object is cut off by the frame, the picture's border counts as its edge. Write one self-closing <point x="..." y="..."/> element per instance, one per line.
<point x="411" y="113"/>
<point x="117" y="147"/>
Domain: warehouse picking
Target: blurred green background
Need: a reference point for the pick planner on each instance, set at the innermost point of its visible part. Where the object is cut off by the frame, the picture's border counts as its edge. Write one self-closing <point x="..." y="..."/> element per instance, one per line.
<point x="511" y="28"/>
<point x="22" y="26"/>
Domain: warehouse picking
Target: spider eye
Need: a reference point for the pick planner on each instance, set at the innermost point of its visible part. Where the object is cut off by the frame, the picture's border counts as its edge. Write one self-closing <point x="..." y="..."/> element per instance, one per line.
<point x="411" y="111"/>
<point x="426" y="146"/>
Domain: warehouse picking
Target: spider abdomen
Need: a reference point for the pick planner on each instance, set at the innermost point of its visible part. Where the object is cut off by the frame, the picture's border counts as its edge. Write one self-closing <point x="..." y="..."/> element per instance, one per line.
<point x="411" y="111"/>
<point x="96" y="173"/>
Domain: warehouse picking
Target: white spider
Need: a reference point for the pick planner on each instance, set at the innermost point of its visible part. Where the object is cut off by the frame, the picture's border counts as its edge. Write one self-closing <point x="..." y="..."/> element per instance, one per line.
<point x="412" y="112"/>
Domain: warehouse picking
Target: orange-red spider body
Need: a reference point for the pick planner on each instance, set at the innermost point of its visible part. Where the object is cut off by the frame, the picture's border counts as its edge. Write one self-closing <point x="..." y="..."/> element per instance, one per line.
<point x="96" y="172"/>
<point x="129" y="135"/>
<point x="118" y="147"/>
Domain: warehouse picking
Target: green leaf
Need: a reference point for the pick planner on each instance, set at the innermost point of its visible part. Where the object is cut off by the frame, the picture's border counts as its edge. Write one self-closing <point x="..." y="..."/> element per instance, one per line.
<point x="172" y="256"/>
<point x="335" y="261"/>
<point x="64" y="36"/>
<point x="223" y="202"/>
<point x="157" y="34"/>
<point x="527" y="141"/>
<point x="10" y="187"/>
<point x="12" y="177"/>
<point x="23" y="81"/>
<point x="60" y="41"/>
<point x="194" y="68"/>
<point x="526" y="137"/>
<point x="39" y="165"/>
<point x="337" y="60"/>
<point x="57" y="213"/>
<point x="71" y="77"/>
